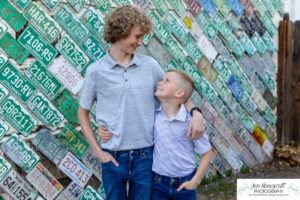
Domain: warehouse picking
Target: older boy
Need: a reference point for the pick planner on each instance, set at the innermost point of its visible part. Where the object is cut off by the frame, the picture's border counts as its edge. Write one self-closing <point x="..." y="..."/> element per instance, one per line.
<point x="123" y="85"/>
<point x="174" y="163"/>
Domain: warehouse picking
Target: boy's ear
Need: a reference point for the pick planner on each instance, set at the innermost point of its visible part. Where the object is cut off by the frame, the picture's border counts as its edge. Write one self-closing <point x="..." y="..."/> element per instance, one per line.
<point x="179" y="93"/>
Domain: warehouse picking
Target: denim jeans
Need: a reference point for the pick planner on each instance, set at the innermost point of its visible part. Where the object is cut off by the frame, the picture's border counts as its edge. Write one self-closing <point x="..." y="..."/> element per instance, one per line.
<point x="134" y="168"/>
<point x="164" y="188"/>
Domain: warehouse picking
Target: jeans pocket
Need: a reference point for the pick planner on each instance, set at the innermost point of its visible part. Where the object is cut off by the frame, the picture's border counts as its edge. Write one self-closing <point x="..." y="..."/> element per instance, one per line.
<point x="156" y="178"/>
<point x="147" y="154"/>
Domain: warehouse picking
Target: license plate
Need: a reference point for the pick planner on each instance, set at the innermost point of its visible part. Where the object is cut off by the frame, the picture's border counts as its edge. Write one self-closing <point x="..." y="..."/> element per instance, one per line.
<point x="208" y="6"/>
<point x="103" y="5"/>
<point x="5" y="166"/>
<point x="45" y="111"/>
<point x="16" y="187"/>
<point x="258" y="43"/>
<point x="207" y="90"/>
<point x="18" y="116"/>
<point x="175" y="26"/>
<point x="223" y="7"/>
<point x="74" y="140"/>
<point x="72" y="192"/>
<point x="233" y="22"/>
<point x="236" y="6"/>
<point x="13" y="48"/>
<point x="206" y="69"/>
<point x="207" y="48"/>
<point x="267" y="59"/>
<point x="269" y="24"/>
<point x="207" y="26"/>
<point x="101" y="191"/>
<point x="235" y="45"/>
<point x="65" y="73"/>
<point x="249" y="8"/>
<point x="43" y="80"/>
<point x="44" y="181"/>
<point x="71" y="24"/>
<point x="50" y="146"/>
<point x="191" y="24"/>
<point x="16" y="82"/>
<point x="75" y="169"/>
<point x="93" y="163"/>
<point x="72" y="52"/>
<point x="192" y="49"/>
<point x="260" y="7"/>
<point x="3" y="129"/>
<point x="221" y="48"/>
<point x="19" y="152"/>
<point x="3" y="92"/>
<point x="11" y="15"/>
<point x="176" y="49"/>
<point x="90" y="194"/>
<point x="221" y="164"/>
<point x="36" y="45"/>
<point x="235" y="88"/>
<point x="246" y="66"/>
<point x="51" y="4"/>
<point x="194" y="7"/>
<point x="93" y="48"/>
<point x="221" y="25"/>
<point x="93" y="20"/>
<point x="247" y="44"/>
<point x="123" y="2"/>
<point x="162" y="6"/>
<point x="22" y="3"/>
<point x="189" y="68"/>
<point x="222" y="69"/>
<point x="178" y="6"/>
<point x="42" y="22"/>
<point x="68" y="106"/>
<point x="77" y="4"/>
<point x="160" y="29"/>
<point x="147" y="38"/>
<point x="3" y="29"/>
<point x="272" y="48"/>
<point x="248" y="104"/>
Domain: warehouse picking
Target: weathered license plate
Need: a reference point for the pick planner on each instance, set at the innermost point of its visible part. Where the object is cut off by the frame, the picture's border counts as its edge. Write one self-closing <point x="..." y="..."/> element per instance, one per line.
<point x="75" y="169"/>
<point x="64" y="72"/>
<point x="18" y="116"/>
<point x="19" y="152"/>
<point x="103" y="5"/>
<point x="92" y="162"/>
<point x="77" y="4"/>
<point x="45" y="111"/>
<point x="72" y="192"/>
<point x="22" y="3"/>
<point x="51" y="4"/>
<point x="176" y="49"/>
<point x="160" y="29"/>
<point x="3" y="128"/>
<point x="44" y="181"/>
<point x="5" y="166"/>
<point x="90" y="194"/>
<point x="44" y="80"/>
<point x="93" y="48"/>
<point x="16" y="187"/>
<point x="176" y="27"/>
<point x="39" y="47"/>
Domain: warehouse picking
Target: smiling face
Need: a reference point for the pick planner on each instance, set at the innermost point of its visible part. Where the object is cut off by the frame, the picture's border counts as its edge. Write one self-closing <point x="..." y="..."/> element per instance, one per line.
<point x="134" y="40"/>
<point x="168" y="86"/>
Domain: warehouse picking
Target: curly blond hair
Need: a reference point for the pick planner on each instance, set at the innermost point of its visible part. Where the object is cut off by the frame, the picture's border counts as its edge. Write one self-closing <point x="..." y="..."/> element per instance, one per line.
<point x="121" y="21"/>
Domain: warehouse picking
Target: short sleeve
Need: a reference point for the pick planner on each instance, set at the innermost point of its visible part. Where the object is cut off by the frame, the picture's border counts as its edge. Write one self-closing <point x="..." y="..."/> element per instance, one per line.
<point x="202" y="144"/>
<point x="158" y="72"/>
<point x="88" y="91"/>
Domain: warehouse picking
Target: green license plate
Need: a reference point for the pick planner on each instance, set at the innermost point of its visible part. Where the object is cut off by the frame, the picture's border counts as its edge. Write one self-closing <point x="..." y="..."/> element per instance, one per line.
<point x="3" y="29"/>
<point x="44" y="80"/>
<point x="3" y="130"/>
<point x="223" y="7"/>
<point x="258" y="43"/>
<point x="272" y="48"/>
<point x="51" y="4"/>
<point x="18" y="116"/>
<point x="235" y="45"/>
<point x="222" y="69"/>
<point x="162" y="6"/>
<point x="160" y="29"/>
<point x="16" y="82"/>
<point x="176" y="50"/>
<point x="103" y="5"/>
<point x="74" y="140"/>
<point x="3" y="93"/>
<point x="207" y="26"/>
<point x="36" y="45"/>
<point x="72" y="52"/>
<point x="175" y="26"/>
<point x="93" y="48"/>
<point x="42" y="22"/>
<point x="13" y="48"/>
<point x="77" y="4"/>
<point x="206" y="90"/>
<point x="89" y="193"/>
<point x="45" y="111"/>
<point x="3" y="59"/>
<point x="11" y="15"/>
<point x="221" y="25"/>
<point x="19" y="152"/>
<point x="22" y="3"/>
<point x="178" y="6"/>
<point x="260" y="7"/>
<point x="192" y="49"/>
<point x="71" y="24"/>
<point x="93" y="20"/>
<point x="269" y="24"/>
<point x="123" y="2"/>
<point x="5" y="167"/>
<point x="247" y="44"/>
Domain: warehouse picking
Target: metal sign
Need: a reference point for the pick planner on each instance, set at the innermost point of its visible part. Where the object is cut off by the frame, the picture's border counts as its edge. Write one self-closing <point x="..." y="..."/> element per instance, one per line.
<point x="71" y="24"/>
<point x="77" y="4"/>
<point x="5" y="166"/>
<point x="223" y="7"/>
<point x="247" y="44"/>
<point x="11" y="15"/>
<point x="206" y="69"/>
<point x="19" y="152"/>
<point x="74" y="140"/>
<point x="175" y="26"/>
<point x="192" y="49"/>
<point x="207" y="90"/>
<point x="51" y="4"/>
<point x="18" y="116"/>
<point x="207" y="48"/>
<point x="74" y="169"/>
<point x="235" y="88"/>
<point x="3" y="129"/>
<point x="92" y="162"/>
<point x="221" y="48"/>
<point x="194" y="6"/>
<point x="236" y="6"/>
<point x="93" y="48"/>
<point x="191" y="24"/>
<point x="269" y="24"/>
<point x="90" y="194"/>
<point x="207" y="26"/>
<point x="160" y="29"/>
<point x="44" y="80"/>
<point x="233" y="22"/>
<point x="72" y="52"/>
<point x="103" y="5"/>
<point x="45" y="111"/>
<point x="249" y="8"/>
<point x="44" y="181"/>
<point x="178" y="6"/>
<point x="208" y="6"/>
<point x="16" y="187"/>
<point x="13" y="48"/>
<point x="72" y="192"/>
<point x="175" y="49"/>
<point x="65" y="73"/>
<point x="36" y="45"/>
<point x="16" y="82"/>
<point x="22" y="3"/>
<point x="235" y="45"/>
<point x="222" y="69"/>
<point x="162" y="6"/>
<point x="42" y="21"/>
<point x="271" y="47"/>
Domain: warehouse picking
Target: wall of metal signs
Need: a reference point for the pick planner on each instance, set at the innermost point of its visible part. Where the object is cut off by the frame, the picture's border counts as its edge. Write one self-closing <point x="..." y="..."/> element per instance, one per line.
<point x="229" y="48"/>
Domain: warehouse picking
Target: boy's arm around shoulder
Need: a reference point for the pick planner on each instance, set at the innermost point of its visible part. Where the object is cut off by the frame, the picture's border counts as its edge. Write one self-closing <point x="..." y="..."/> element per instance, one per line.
<point x="196" y="125"/>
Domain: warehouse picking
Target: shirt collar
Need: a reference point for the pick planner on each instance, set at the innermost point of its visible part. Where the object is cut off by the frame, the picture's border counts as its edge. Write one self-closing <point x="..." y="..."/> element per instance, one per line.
<point x="180" y="116"/>
<point x="112" y="62"/>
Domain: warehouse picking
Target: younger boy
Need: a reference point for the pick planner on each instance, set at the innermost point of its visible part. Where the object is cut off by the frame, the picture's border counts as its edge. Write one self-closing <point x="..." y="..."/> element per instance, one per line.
<point x="174" y="164"/>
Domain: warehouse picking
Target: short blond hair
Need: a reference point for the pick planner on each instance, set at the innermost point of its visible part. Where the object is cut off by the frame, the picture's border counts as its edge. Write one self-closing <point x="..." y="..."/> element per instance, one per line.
<point x="186" y="83"/>
<point x="120" y="22"/>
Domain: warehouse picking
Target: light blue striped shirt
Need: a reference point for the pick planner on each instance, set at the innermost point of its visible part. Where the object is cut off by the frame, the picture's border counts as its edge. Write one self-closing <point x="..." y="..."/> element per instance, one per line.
<point x="174" y="152"/>
<point x="124" y="97"/>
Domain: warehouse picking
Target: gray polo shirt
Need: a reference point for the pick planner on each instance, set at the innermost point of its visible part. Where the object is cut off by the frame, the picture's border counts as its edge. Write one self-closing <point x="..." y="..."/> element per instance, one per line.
<point x="124" y="97"/>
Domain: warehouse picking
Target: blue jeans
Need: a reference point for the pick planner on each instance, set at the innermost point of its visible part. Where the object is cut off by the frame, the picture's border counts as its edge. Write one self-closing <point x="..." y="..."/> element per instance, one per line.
<point x="135" y="168"/>
<point x="164" y="188"/>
